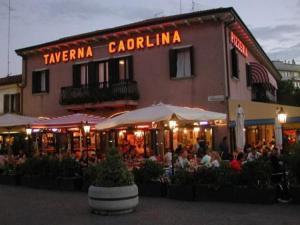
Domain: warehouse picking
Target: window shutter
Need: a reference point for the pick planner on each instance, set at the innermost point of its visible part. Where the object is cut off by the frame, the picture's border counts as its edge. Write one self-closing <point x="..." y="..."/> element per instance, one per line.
<point x="173" y="62"/>
<point x="6" y="103"/>
<point x="91" y="74"/>
<point x="234" y="63"/>
<point x="47" y="80"/>
<point x="17" y="99"/>
<point x="34" y="81"/>
<point x="248" y="75"/>
<point x="113" y="71"/>
<point x="192" y="60"/>
<point x="12" y="103"/>
<point x="76" y="76"/>
<point x="130" y="67"/>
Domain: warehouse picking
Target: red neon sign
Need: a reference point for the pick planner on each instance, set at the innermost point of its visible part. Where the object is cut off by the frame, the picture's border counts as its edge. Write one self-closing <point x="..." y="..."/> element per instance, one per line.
<point x="238" y="44"/>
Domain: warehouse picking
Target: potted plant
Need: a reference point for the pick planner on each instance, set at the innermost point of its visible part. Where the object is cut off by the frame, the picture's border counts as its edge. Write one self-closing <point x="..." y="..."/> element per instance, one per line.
<point x="255" y="183"/>
<point x="215" y="184"/>
<point x="40" y="172"/>
<point x="69" y="178"/>
<point x="182" y="186"/>
<point x="149" y="179"/>
<point x="9" y="174"/>
<point x="293" y="161"/>
<point x="113" y="191"/>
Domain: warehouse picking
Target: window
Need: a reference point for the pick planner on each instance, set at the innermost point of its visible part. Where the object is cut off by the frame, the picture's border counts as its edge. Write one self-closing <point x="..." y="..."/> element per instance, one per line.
<point x="120" y="69"/>
<point x="248" y="75"/>
<point x="234" y="63"/>
<point x="40" y="81"/>
<point x="181" y="62"/>
<point x="103" y="73"/>
<point x="11" y="103"/>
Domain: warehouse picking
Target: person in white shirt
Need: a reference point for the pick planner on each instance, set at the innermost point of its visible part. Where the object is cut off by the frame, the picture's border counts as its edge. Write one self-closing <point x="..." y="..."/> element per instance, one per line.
<point x="206" y="160"/>
<point x="253" y="155"/>
<point x="183" y="162"/>
<point x="168" y="158"/>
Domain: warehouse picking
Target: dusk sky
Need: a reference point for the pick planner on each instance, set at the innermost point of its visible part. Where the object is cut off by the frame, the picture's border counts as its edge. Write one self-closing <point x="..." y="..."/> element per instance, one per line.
<point x="274" y="23"/>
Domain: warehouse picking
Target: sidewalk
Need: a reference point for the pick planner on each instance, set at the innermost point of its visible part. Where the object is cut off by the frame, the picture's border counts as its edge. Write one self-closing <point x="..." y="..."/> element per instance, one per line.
<point x="24" y="206"/>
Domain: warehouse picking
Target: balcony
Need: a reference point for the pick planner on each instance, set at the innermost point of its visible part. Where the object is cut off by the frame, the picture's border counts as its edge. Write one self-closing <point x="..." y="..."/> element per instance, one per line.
<point x="100" y="92"/>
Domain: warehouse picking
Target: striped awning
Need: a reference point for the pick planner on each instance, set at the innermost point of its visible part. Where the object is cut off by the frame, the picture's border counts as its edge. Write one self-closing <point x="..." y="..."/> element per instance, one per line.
<point x="259" y="75"/>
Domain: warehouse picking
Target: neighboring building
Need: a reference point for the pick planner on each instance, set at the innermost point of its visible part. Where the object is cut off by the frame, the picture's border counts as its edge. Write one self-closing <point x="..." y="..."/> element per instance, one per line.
<point x="202" y="59"/>
<point x="10" y="94"/>
<point x="289" y="71"/>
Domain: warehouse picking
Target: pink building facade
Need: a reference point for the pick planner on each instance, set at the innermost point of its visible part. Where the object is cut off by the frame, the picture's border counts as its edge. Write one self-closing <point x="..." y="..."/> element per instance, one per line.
<point x="200" y="59"/>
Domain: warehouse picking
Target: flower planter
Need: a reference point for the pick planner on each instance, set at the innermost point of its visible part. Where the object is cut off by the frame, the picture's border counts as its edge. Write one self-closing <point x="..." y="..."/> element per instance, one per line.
<point x="39" y="182"/>
<point x="239" y="194"/>
<point x="181" y="192"/>
<point x="254" y="195"/>
<point x="295" y="193"/>
<point x="10" y="179"/>
<point x="211" y="193"/>
<point x="69" y="183"/>
<point x="113" y="200"/>
<point x="152" y="189"/>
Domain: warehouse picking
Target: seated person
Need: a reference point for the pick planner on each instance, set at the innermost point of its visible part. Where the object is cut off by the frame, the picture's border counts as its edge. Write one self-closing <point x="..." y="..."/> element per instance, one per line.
<point x="152" y="155"/>
<point x="83" y="161"/>
<point x="168" y="157"/>
<point x="253" y="155"/>
<point x="236" y="163"/>
<point x="182" y="161"/>
<point x="206" y="160"/>
<point x="215" y="159"/>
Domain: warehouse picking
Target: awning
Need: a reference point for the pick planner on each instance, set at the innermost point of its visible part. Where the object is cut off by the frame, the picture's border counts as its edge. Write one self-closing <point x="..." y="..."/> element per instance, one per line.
<point x="68" y="121"/>
<point x="15" y="120"/>
<point x="259" y="75"/>
<point x="158" y="113"/>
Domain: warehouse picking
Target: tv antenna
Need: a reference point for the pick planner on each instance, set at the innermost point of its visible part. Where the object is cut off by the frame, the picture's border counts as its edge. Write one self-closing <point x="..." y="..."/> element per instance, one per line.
<point x="8" y="38"/>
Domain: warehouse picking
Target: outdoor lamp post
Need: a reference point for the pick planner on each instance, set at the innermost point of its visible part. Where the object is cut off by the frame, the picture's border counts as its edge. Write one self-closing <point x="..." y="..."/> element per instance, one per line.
<point x="172" y="126"/>
<point x="28" y="133"/>
<point x="87" y="128"/>
<point x="282" y="116"/>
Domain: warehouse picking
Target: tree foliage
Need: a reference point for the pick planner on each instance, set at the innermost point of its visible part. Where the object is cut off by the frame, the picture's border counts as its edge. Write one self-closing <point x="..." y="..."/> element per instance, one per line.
<point x="288" y="94"/>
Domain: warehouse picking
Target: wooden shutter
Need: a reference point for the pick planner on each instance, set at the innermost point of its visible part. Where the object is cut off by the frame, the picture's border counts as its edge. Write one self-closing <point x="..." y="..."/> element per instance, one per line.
<point x="34" y="81"/>
<point x="130" y="67"/>
<point x="91" y="74"/>
<point x="248" y="75"/>
<point x="6" y="103"/>
<point x="47" y="80"/>
<point x="234" y="63"/>
<point x="12" y="103"/>
<point x="192" y="60"/>
<point x="173" y="62"/>
<point x="76" y="76"/>
<point x="113" y="70"/>
<point x="17" y="99"/>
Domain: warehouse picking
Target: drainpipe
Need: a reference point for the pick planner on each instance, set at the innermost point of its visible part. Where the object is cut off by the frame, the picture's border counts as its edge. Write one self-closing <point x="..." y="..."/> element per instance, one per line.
<point x="227" y="82"/>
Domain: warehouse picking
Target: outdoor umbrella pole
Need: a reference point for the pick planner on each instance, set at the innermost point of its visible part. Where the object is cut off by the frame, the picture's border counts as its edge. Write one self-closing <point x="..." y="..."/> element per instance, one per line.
<point x="172" y="150"/>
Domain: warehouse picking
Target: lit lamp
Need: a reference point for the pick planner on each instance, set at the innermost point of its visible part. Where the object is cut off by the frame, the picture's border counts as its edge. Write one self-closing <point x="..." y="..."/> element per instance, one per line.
<point x="281" y="115"/>
<point x="172" y="126"/>
<point x="28" y="133"/>
<point x="87" y="128"/>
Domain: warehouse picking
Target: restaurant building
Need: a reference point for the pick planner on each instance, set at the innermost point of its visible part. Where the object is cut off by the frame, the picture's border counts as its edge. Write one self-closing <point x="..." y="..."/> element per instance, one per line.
<point x="203" y="59"/>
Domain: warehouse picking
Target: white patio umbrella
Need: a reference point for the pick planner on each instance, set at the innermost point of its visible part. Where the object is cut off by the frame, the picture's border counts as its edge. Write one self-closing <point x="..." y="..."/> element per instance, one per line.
<point x="13" y="120"/>
<point x="158" y="113"/>
<point x="278" y="131"/>
<point x="239" y="128"/>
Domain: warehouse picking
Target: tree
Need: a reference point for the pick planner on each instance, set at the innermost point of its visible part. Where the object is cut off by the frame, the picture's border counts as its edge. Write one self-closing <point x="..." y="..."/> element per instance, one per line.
<point x="288" y="94"/>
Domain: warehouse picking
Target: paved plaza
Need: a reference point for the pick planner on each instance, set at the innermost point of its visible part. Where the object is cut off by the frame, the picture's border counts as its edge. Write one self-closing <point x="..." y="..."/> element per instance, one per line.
<point x="24" y="206"/>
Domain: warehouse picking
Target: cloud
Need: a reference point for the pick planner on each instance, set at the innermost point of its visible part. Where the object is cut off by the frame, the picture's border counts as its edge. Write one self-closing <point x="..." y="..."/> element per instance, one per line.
<point x="292" y="52"/>
<point x="277" y="32"/>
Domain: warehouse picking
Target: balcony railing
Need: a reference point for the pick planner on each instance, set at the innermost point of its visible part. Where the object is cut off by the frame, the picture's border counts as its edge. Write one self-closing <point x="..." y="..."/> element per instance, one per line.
<point x="100" y="92"/>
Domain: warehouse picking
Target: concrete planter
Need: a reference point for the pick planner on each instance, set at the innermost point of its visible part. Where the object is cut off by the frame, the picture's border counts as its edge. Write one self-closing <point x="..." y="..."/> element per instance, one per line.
<point x="153" y="189"/>
<point x="113" y="200"/>
<point x="10" y="179"/>
<point x="69" y="183"/>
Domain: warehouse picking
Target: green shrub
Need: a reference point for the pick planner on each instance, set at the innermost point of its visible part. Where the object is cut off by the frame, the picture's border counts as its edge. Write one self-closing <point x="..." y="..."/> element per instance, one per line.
<point x="293" y="162"/>
<point x="112" y="172"/>
<point x="69" y="167"/>
<point x="256" y="174"/>
<point x="182" y="177"/>
<point x="149" y="171"/>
